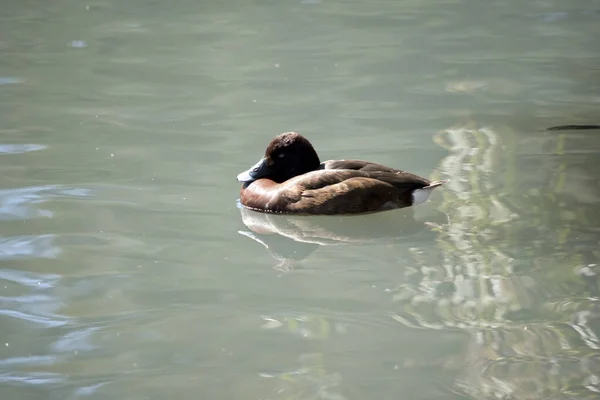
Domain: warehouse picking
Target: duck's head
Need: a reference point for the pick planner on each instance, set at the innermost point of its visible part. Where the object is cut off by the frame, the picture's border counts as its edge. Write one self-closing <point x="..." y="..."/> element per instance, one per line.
<point x="288" y="155"/>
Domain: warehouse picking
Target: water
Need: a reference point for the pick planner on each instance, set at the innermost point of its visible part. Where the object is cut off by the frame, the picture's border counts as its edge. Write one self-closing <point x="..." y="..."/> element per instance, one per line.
<point x="128" y="271"/>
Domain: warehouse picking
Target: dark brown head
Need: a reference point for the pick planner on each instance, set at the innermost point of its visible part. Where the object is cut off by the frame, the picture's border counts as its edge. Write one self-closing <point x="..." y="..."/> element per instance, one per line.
<point x="288" y="155"/>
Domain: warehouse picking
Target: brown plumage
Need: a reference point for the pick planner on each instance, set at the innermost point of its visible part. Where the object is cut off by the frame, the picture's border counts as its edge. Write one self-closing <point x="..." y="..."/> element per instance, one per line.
<point x="291" y="179"/>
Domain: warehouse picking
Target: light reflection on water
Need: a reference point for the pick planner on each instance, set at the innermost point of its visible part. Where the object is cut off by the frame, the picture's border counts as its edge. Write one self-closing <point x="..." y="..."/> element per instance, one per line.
<point x="28" y="246"/>
<point x="19" y="148"/>
<point x="23" y="203"/>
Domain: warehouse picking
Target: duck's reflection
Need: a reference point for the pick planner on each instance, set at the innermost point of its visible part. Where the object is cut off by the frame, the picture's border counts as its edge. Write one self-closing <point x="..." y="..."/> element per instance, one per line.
<point x="291" y="238"/>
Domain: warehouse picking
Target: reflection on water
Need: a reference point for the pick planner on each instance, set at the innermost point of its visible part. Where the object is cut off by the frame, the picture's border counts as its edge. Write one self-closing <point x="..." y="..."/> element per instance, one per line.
<point x="310" y="380"/>
<point x="19" y="148"/>
<point x="28" y="246"/>
<point x="290" y="238"/>
<point x="531" y="327"/>
<point x="23" y="203"/>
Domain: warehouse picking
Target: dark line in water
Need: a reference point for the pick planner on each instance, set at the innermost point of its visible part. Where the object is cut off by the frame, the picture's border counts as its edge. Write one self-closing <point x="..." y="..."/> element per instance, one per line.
<point x="572" y="127"/>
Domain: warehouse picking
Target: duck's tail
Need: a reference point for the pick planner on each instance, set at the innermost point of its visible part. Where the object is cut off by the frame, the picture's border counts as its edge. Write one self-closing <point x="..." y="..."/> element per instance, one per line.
<point x="435" y="184"/>
<point x="422" y="195"/>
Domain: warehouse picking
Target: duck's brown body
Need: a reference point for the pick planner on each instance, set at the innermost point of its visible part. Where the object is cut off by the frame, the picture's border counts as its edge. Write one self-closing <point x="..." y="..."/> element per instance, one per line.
<point x="281" y="183"/>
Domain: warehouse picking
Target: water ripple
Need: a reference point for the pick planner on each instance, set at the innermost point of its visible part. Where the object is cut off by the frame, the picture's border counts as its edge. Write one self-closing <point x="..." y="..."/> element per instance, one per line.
<point x="28" y="246"/>
<point x="9" y="80"/>
<point x="34" y="378"/>
<point x="75" y="341"/>
<point x="19" y="203"/>
<point x="20" y="148"/>
<point x="28" y="361"/>
<point x="38" y="281"/>
<point x="37" y="319"/>
<point x="89" y="390"/>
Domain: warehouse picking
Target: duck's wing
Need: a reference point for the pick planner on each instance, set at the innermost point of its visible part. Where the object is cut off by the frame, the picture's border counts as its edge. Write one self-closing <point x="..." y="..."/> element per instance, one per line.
<point x="357" y="165"/>
<point x="346" y="191"/>
<point x="396" y="177"/>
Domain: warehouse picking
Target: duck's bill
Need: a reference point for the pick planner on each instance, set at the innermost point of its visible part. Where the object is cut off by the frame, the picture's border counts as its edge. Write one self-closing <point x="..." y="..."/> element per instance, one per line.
<point x="257" y="171"/>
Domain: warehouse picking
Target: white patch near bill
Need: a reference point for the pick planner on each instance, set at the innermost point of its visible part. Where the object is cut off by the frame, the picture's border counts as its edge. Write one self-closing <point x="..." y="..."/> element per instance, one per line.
<point x="421" y="195"/>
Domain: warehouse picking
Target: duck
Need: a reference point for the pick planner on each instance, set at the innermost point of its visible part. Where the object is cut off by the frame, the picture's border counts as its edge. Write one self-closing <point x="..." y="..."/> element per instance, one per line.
<point x="291" y="179"/>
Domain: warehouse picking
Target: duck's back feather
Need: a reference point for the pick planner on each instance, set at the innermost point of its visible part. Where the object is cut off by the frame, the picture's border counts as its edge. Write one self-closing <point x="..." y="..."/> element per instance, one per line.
<point x="357" y="165"/>
<point x="358" y="189"/>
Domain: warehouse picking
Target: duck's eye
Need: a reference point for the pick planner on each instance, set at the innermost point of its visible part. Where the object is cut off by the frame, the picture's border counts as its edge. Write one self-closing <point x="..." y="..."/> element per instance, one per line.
<point x="280" y="155"/>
